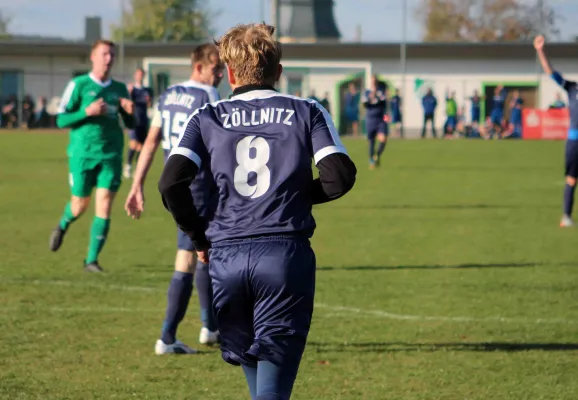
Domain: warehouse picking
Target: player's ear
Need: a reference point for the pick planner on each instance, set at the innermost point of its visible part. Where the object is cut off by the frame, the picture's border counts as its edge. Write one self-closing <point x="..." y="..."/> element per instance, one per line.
<point x="231" y="76"/>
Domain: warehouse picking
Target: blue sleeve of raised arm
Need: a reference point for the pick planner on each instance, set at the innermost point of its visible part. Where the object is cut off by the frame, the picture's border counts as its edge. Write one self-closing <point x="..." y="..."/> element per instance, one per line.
<point x="558" y="78"/>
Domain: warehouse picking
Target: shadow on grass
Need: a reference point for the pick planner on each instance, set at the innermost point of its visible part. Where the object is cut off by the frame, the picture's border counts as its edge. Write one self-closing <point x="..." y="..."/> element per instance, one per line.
<point x="379" y="347"/>
<point x="438" y="266"/>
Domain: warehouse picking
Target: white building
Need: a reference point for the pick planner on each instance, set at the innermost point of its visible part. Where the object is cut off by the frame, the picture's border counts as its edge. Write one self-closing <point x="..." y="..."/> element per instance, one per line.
<point x="42" y="68"/>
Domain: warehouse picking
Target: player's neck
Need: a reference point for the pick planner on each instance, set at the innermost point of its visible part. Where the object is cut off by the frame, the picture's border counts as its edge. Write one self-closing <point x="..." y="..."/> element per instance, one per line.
<point x="238" y="89"/>
<point x="100" y="76"/>
<point x="197" y="78"/>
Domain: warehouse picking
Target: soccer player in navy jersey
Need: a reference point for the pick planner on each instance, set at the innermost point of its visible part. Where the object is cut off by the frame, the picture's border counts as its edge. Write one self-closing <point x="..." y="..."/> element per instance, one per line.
<point x="497" y="113"/>
<point x="476" y="100"/>
<point x="175" y="106"/>
<point x="258" y="145"/>
<point x="142" y="98"/>
<point x="396" y="117"/>
<point x="514" y="127"/>
<point x="375" y="103"/>
<point x="571" y="170"/>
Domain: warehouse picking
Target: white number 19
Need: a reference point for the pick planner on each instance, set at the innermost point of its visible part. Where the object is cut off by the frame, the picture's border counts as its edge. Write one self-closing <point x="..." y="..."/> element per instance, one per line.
<point x="257" y="165"/>
<point x="172" y="125"/>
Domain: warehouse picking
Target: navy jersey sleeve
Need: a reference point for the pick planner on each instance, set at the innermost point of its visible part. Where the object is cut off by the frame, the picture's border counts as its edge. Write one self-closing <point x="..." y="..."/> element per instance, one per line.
<point x="559" y="79"/>
<point x="190" y="142"/>
<point x="324" y="136"/>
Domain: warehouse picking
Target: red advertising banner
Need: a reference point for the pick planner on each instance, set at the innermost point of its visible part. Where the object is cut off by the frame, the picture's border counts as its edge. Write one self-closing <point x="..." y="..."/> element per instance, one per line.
<point x="545" y="124"/>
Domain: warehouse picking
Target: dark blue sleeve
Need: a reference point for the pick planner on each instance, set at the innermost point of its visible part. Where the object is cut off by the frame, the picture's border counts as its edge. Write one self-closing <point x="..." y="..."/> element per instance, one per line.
<point x="190" y="142"/>
<point x="559" y="79"/>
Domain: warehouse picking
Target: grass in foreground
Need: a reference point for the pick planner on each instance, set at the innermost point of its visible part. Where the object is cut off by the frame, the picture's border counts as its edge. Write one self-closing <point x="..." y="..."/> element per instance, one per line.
<point x="442" y="275"/>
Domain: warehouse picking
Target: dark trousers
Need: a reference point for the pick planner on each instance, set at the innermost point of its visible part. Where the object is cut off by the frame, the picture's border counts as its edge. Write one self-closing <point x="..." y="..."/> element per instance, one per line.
<point x="428" y="117"/>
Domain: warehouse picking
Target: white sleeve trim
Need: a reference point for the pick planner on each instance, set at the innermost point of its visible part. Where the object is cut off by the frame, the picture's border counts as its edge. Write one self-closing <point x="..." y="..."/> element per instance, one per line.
<point x="326" y="151"/>
<point x="66" y="97"/>
<point x="191" y="155"/>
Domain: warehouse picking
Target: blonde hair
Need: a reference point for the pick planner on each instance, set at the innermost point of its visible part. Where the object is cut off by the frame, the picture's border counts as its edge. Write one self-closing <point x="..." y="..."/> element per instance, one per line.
<point x="205" y="54"/>
<point x="252" y="52"/>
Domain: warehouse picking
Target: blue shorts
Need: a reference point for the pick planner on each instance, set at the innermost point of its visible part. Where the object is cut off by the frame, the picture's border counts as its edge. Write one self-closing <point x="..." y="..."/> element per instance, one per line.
<point x="571" y="168"/>
<point x="451" y="122"/>
<point x="476" y="115"/>
<point x="263" y="289"/>
<point x="139" y="133"/>
<point x="352" y="115"/>
<point x="396" y="118"/>
<point x="375" y="127"/>
<point x="497" y="117"/>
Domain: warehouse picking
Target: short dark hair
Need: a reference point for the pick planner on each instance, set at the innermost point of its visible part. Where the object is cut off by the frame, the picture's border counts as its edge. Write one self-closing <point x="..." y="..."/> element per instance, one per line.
<point x="204" y="53"/>
<point x="102" y="41"/>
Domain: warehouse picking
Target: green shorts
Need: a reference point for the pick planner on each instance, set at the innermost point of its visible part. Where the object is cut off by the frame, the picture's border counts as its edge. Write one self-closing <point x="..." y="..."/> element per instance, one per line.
<point x="86" y="174"/>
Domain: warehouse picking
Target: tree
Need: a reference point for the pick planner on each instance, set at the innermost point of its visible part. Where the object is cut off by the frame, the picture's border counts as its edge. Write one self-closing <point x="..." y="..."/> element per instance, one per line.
<point x="485" y="20"/>
<point x="4" y="24"/>
<point x="164" y="20"/>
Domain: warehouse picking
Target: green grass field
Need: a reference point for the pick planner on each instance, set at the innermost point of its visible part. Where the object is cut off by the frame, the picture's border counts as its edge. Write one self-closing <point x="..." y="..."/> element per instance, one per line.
<point x="442" y="275"/>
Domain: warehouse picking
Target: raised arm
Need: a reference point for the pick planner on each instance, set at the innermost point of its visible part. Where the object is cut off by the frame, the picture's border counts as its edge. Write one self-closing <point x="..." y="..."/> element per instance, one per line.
<point x="181" y="168"/>
<point x="337" y="172"/>
<point x="539" y="46"/>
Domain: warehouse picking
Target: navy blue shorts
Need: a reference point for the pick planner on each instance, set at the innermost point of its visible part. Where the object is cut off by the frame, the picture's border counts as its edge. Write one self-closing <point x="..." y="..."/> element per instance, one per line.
<point x="139" y="133"/>
<point x="396" y="118"/>
<point x="263" y="289"/>
<point x="497" y="117"/>
<point x="571" y="158"/>
<point x="476" y="115"/>
<point x="375" y="127"/>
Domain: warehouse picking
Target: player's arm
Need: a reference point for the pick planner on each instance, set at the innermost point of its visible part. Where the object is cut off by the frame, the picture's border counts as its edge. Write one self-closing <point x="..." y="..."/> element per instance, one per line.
<point x="337" y="171"/>
<point x="126" y="108"/>
<point x="149" y="149"/>
<point x="69" y="111"/>
<point x="180" y="169"/>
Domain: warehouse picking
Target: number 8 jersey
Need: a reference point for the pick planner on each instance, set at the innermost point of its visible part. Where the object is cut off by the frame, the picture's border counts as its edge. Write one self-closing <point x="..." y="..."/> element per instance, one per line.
<point x="174" y="108"/>
<point x="258" y="146"/>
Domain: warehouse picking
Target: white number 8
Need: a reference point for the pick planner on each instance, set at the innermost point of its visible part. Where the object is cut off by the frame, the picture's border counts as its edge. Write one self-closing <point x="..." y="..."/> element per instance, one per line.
<point x="257" y="165"/>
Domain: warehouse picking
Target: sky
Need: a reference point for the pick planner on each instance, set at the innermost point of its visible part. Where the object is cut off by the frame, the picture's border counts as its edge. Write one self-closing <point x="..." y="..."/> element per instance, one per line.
<point x="380" y="20"/>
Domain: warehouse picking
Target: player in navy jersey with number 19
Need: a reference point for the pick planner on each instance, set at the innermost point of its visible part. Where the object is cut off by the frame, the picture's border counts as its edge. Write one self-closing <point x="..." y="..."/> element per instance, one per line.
<point x="259" y="145"/>
<point x="175" y="106"/>
<point x="571" y="168"/>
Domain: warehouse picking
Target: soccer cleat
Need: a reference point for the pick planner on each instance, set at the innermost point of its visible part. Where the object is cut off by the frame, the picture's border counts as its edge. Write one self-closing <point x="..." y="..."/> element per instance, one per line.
<point x="177" y="347"/>
<point x="567" y="222"/>
<point x="92" y="267"/>
<point x="127" y="171"/>
<point x="208" y="337"/>
<point x="56" y="238"/>
<point x="376" y="160"/>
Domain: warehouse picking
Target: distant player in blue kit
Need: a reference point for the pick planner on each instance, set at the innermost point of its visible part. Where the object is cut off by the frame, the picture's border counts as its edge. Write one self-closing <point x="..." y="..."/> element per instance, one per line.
<point x="142" y="98"/>
<point x="396" y="118"/>
<point x="476" y="101"/>
<point x="375" y="103"/>
<point x="259" y="145"/>
<point x="175" y="106"/>
<point x="571" y="168"/>
<point x="497" y="113"/>
<point x="514" y="128"/>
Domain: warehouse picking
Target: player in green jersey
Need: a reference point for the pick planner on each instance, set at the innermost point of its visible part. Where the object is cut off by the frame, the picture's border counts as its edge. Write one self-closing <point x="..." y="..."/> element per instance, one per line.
<point x="90" y="107"/>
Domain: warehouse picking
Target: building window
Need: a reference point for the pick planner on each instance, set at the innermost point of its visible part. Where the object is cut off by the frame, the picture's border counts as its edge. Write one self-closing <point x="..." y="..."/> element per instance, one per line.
<point x="10" y="84"/>
<point x="162" y="82"/>
<point x="295" y="85"/>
